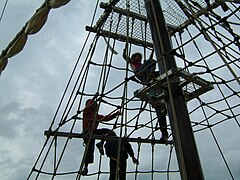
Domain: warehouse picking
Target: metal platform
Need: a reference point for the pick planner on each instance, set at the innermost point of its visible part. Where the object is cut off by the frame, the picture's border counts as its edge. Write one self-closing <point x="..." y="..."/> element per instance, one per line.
<point x="192" y="87"/>
<point x="116" y="15"/>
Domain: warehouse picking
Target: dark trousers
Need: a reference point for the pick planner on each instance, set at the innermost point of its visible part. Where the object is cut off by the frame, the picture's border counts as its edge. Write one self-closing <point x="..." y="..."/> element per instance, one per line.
<point x="162" y="121"/>
<point x="122" y="169"/>
<point x="90" y="153"/>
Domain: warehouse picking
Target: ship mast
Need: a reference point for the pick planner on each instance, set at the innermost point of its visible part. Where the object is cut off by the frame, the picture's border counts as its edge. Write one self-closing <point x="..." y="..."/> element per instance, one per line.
<point x="186" y="149"/>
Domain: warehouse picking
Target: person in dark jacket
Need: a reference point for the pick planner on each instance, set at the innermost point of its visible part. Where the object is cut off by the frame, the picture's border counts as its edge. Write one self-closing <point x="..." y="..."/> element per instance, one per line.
<point x="111" y="149"/>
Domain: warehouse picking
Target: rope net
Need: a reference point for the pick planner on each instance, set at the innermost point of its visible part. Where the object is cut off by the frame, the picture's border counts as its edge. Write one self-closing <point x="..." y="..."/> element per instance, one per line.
<point x="205" y="42"/>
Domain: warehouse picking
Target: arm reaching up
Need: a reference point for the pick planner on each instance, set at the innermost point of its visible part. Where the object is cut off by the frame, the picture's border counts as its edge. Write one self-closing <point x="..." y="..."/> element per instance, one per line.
<point x="125" y="56"/>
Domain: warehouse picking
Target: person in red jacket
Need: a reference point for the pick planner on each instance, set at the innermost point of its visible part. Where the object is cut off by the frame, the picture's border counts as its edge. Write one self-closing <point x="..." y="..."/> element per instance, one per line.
<point x="145" y="72"/>
<point x="91" y="120"/>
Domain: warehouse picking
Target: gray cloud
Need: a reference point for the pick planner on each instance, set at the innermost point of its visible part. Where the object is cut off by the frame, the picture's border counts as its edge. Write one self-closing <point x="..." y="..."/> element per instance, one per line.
<point x="33" y="82"/>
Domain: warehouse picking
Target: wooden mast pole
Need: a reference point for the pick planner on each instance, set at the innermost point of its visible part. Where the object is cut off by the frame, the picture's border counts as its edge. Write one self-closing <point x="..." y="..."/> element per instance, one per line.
<point x="186" y="149"/>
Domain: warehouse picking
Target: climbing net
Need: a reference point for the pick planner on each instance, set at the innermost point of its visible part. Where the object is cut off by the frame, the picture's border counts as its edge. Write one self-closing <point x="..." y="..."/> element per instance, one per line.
<point x="205" y="43"/>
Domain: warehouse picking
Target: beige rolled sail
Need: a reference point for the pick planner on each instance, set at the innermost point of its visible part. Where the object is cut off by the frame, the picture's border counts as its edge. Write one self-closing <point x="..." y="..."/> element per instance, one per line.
<point x="33" y="26"/>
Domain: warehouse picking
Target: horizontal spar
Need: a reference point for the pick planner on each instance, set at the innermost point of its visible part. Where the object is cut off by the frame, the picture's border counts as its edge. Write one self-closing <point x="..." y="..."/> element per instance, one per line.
<point x="94" y="136"/>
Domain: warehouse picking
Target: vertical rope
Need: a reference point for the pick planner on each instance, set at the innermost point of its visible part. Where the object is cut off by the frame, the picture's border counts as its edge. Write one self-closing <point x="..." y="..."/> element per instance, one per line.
<point x="55" y="156"/>
<point x="152" y="165"/>
<point x="138" y="156"/>
<point x="99" y="166"/>
<point x="3" y="10"/>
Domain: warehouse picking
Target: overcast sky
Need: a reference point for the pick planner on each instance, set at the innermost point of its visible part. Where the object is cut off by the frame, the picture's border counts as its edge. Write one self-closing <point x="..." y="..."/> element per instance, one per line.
<point x="34" y="80"/>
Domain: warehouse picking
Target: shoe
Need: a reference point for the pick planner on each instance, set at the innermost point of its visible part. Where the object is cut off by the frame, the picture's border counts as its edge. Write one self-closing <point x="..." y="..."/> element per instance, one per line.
<point x="164" y="111"/>
<point x="85" y="171"/>
<point x="151" y="77"/>
<point x="164" y="137"/>
<point x="100" y="148"/>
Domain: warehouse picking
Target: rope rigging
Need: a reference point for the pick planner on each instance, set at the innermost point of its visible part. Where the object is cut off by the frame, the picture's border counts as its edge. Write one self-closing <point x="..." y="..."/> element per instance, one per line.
<point x="210" y="90"/>
<point x="3" y="10"/>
